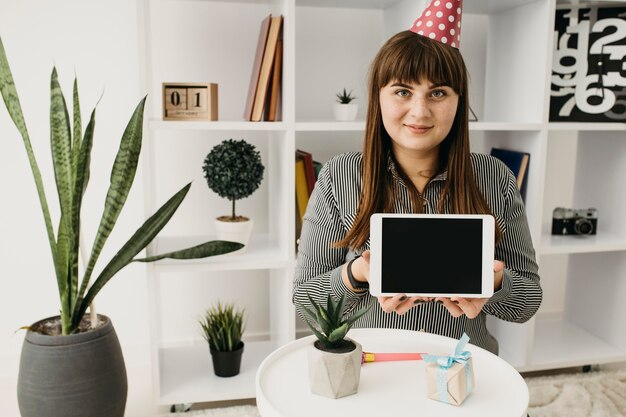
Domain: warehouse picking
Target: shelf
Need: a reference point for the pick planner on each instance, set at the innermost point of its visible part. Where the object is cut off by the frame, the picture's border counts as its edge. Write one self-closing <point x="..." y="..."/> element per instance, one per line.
<point x="560" y="344"/>
<point x="261" y="253"/>
<point x="474" y="6"/>
<point x="617" y="126"/>
<point x="516" y="360"/>
<point x="329" y="126"/>
<point x="602" y="242"/>
<point x="504" y="126"/>
<point x="359" y="125"/>
<point x="187" y="374"/>
<point x="158" y="124"/>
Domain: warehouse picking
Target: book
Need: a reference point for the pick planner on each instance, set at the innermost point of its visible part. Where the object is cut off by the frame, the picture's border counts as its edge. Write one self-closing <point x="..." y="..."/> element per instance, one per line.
<point x="266" y="68"/>
<point x="275" y="82"/>
<point x="517" y="162"/>
<point x="309" y="169"/>
<point x="318" y="167"/>
<point x="302" y="191"/>
<point x="256" y="67"/>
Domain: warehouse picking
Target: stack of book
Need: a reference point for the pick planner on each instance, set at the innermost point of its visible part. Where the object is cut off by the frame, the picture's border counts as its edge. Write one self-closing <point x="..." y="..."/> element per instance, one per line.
<point x="264" y="94"/>
<point x="307" y="171"/>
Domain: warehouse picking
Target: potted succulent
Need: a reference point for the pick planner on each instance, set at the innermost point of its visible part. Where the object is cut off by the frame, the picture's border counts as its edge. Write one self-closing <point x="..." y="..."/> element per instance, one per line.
<point x="222" y="328"/>
<point x="345" y="110"/>
<point x="69" y="365"/>
<point x="334" y="360"/>
<point x="233" y="169"/>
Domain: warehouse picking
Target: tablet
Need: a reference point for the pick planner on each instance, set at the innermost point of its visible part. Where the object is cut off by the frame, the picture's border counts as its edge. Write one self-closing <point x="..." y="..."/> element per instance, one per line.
<point x="432" y="255"/>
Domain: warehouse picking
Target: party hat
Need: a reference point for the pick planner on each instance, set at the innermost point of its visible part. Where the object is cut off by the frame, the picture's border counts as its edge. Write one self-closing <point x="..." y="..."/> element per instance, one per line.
<point x="441" y="21"/>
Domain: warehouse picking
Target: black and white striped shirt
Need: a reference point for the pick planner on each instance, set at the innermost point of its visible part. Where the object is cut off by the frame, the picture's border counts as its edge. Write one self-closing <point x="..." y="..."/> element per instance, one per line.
<point x="332" y="209"/>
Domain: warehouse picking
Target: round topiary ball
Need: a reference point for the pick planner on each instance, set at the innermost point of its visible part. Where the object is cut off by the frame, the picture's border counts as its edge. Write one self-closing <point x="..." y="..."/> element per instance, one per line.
<point x="233" y="169"/>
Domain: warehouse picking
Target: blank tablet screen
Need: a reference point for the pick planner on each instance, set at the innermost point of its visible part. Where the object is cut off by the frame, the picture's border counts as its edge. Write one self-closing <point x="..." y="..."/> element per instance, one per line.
<point x="431" y="255"/>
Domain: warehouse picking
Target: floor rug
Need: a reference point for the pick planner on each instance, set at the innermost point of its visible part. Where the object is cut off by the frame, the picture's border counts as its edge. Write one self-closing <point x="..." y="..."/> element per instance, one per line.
<point x="593" y="394"/>
<point x="235" y="411"/>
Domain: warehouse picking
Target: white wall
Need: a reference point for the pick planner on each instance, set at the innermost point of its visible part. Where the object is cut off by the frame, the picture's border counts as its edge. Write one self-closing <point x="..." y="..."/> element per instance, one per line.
<point x="97" y="40"/>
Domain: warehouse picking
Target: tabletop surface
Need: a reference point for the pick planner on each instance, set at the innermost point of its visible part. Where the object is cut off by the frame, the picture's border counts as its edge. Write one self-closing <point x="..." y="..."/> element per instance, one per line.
<point x="388" y="388"/>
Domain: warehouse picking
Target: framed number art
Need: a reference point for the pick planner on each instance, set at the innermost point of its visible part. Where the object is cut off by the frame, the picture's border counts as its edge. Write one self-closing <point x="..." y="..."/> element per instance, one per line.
<point x="588" y="82"/>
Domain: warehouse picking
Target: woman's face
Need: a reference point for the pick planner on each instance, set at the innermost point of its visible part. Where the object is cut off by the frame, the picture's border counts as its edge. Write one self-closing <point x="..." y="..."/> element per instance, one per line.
<point x="417" y="117"/>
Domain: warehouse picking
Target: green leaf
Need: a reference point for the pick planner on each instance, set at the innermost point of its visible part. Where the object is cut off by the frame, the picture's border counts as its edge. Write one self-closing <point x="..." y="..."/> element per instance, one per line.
<point x="330" y="306"/>
<point x="12" y="103"/>
<point x="339" y="333"/>
<point x="322" y="338"/>
<point x="307" y="311"/>
<point x="60" y="138"/>
<point x="82" y="173"/>
<point x="78" y="129"/>
<point x="138" y="241"/>
<point x="357" y="315"/>
<point x="212" y="248"/>
<point x="339" y="310"/>
<point x="122" y="176"/>
<point x="63" y="278"/>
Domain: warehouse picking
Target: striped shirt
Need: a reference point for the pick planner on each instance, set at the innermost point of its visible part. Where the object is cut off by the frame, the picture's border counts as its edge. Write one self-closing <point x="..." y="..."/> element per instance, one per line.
<point x="332" y="209"/>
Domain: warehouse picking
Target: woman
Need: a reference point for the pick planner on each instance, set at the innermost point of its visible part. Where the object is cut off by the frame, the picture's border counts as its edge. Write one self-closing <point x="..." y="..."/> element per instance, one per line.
<point x="416" y="159"/>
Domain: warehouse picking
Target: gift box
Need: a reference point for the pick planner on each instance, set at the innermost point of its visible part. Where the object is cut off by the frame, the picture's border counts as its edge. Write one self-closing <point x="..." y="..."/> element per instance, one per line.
<point x="450" y="379"/>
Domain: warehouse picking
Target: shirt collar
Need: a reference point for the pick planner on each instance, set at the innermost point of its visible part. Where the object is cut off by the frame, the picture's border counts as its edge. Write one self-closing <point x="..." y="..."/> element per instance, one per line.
<point x="391" y="167"/>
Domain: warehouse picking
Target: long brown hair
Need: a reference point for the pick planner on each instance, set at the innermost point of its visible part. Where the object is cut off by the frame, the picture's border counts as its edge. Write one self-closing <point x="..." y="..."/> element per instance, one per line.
<point x="410" y="58"/>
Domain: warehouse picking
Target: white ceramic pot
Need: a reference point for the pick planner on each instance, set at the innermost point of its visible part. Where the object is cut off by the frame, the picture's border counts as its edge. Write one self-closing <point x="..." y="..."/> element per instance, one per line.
<point x="234" y="232"/>
<point x="334" y="375"/>
<point x="345" y="112"/>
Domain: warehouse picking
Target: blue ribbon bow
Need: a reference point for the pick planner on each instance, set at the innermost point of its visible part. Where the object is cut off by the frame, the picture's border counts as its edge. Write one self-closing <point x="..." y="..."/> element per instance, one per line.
<point x="445" y="362"/>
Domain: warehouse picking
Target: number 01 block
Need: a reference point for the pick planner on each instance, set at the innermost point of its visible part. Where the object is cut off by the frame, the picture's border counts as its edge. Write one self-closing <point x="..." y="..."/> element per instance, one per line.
<point x="186" y="101"/>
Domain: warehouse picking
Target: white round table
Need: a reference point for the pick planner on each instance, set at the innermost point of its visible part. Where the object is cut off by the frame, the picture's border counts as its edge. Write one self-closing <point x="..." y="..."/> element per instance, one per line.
<point x="388" y="388"/>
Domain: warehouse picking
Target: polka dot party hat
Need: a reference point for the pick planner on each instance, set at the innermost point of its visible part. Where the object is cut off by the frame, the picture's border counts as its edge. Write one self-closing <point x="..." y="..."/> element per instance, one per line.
<point x="441" y="21"/>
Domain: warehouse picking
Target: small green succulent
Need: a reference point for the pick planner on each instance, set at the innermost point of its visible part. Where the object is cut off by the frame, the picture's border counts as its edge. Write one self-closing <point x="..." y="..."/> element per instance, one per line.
<point x="332" y="326"/>
<point x="222" y="327"/>
<point x="345" y="97"/>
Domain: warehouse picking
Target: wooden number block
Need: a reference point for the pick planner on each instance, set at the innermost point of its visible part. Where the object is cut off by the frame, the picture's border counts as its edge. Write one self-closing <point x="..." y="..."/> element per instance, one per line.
<point x="175" y="99"/>
<point x="186" y="101"/>
<point x="197" y="99"/>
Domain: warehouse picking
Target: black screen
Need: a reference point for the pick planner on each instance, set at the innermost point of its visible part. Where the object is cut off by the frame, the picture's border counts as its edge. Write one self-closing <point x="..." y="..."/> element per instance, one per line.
<point x="431" y="255"/>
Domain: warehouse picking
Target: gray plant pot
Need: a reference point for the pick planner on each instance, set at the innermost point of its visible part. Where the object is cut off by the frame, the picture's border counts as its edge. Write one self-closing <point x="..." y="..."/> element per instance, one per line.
<point x="79" y="375"/>
<point x="334" y="375"/>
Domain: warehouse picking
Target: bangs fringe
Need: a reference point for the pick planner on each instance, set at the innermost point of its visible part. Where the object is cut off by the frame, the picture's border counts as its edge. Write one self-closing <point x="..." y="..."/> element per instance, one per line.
<point x="428" y="60"/>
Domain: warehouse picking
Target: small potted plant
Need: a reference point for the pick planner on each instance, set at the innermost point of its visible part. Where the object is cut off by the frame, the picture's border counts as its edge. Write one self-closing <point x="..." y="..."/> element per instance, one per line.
<point x="233" y="169"/>
<point x="334" y="360"/>
<point x="345" y="110"/>
<point x="222" y="328"/>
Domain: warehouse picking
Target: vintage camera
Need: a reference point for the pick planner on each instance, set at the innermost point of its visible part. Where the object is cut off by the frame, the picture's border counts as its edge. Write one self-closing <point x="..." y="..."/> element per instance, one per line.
<point x="567" y="221"/>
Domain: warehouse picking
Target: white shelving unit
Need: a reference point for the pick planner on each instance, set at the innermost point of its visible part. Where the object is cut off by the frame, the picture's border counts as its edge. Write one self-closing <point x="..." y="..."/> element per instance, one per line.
<point x="328" y="45"/>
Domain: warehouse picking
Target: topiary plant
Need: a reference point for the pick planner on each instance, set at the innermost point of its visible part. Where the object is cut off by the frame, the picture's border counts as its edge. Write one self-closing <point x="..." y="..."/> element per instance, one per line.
<point x="233" y="169"/>
<point x="345" y="97"/>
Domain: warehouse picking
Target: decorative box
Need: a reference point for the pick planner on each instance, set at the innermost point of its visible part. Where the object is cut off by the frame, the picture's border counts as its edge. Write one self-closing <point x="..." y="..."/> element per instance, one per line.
<point x="450" y="379"/>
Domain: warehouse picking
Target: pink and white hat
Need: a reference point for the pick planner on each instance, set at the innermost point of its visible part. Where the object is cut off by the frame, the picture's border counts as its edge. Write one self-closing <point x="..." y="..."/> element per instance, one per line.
<point x="441" y="21"/>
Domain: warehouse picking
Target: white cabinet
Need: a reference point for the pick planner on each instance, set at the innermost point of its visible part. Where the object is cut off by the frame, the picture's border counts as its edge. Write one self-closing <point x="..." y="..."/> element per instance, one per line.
<point x="328" y="46"/>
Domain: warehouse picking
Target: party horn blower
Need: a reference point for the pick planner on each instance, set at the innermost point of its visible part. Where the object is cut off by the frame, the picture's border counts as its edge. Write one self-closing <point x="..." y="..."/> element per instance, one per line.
<point x="367" y="357"/>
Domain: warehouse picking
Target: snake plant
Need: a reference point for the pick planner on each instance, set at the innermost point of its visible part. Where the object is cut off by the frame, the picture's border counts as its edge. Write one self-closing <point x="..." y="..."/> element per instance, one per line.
<point x="71" y="156"/>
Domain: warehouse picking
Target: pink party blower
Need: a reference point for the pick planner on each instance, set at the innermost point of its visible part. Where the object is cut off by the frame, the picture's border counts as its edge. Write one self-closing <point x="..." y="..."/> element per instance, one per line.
<point x="367" y="357"/>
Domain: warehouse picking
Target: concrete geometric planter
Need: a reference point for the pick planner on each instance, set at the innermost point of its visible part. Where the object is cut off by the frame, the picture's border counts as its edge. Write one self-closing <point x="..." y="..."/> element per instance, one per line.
<point x="334" y="375"/>
<point x="76" y="375"/>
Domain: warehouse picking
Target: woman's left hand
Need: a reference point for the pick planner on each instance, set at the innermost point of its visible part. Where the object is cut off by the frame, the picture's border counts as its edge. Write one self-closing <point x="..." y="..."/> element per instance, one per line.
<point x="471" y="307"/>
